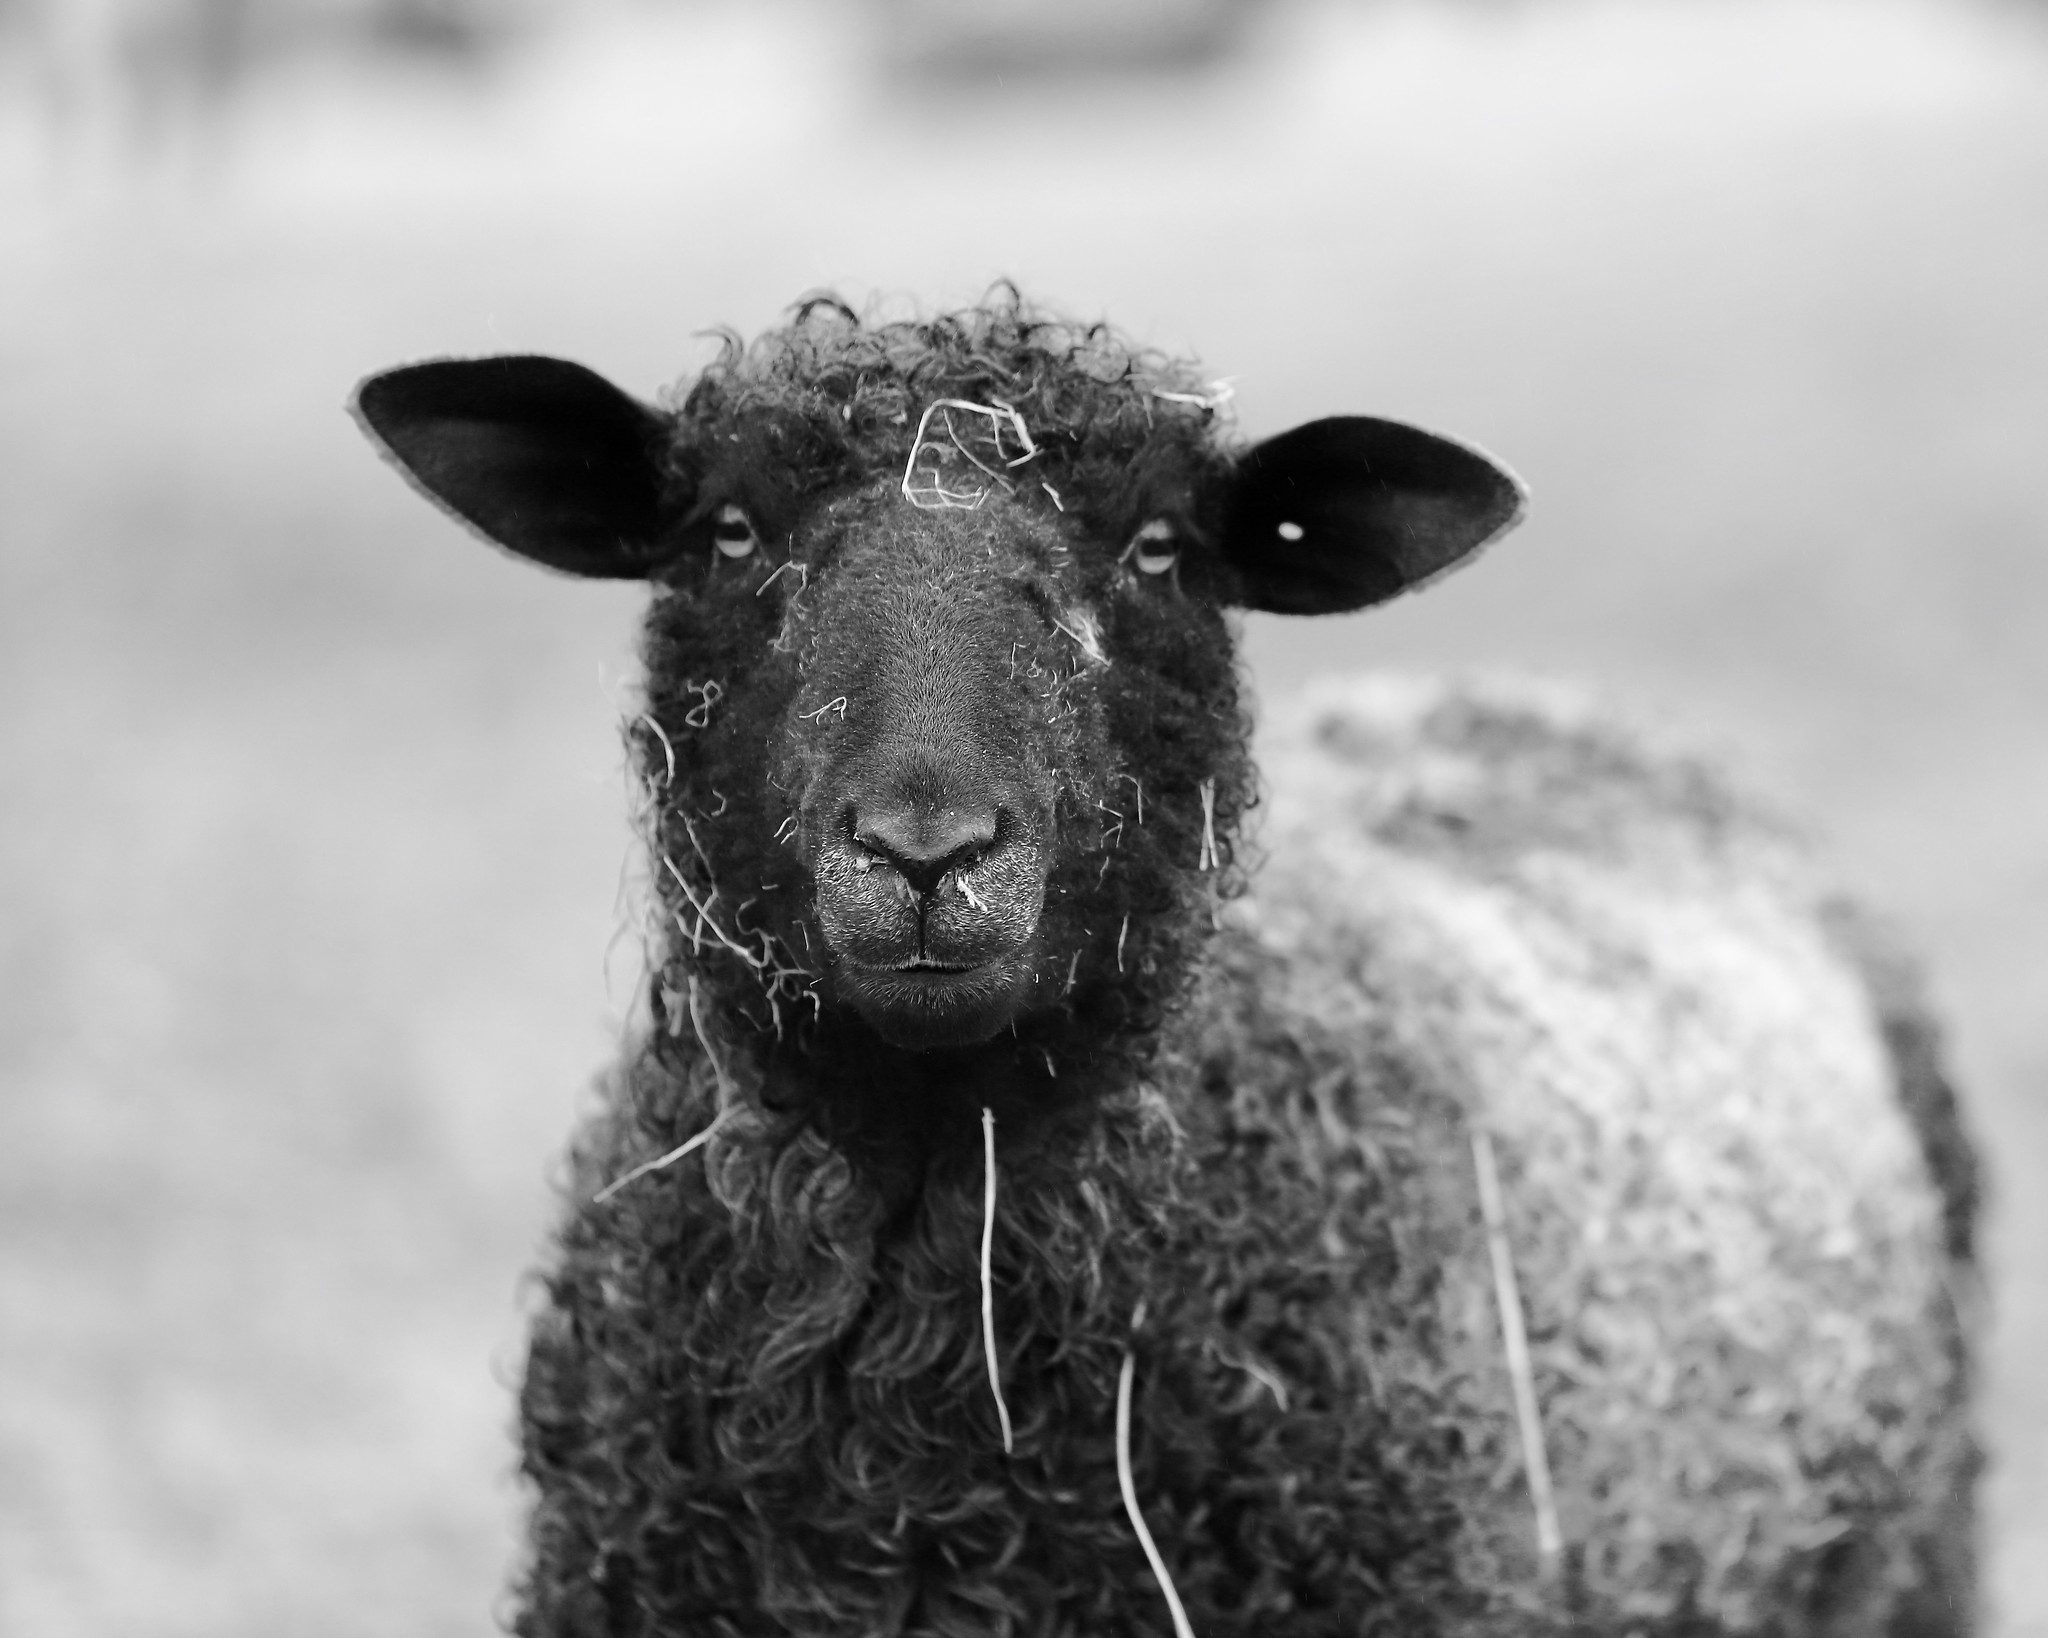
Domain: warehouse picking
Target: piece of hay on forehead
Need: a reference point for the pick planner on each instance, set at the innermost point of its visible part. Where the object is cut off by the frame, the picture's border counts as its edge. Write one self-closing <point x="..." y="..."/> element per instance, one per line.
<point x="1728" y="1242"/>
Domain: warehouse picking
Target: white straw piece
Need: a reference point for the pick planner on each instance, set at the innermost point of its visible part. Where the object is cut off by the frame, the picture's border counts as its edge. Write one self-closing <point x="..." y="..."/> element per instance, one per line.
<point x="1508" y="1299"/>
<point x="710" y="1052"/>
<point x="704" y="920"/>
<point x="656" y="1164"/>
<point x="988" y="1288"/>
<point x="1219" y="393"/>
<point x="668" y="750"/>
<point x="725" y="1107"/>
<point x="1181" y="1628"/>
<point x="935" y="495"/>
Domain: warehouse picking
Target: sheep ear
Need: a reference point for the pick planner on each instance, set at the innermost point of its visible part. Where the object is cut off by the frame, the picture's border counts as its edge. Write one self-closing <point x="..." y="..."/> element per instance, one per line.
<point x="1348" y="511"/>
<point x="546" y="458"/>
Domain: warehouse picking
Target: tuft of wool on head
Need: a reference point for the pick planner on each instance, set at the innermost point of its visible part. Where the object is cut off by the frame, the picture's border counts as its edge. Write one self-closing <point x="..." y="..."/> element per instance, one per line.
<point x="858" y="387"/>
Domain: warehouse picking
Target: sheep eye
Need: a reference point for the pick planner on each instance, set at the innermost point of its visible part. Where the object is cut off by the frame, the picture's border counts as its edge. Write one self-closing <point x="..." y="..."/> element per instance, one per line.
<point x="1153" y="548"/>
<point x="733" y="533"/>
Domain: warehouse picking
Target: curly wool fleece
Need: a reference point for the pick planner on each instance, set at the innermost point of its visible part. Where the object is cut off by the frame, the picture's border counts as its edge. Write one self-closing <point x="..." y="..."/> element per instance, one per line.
<point x="758" y="1403"/>
<point x="1240" y="1153"/>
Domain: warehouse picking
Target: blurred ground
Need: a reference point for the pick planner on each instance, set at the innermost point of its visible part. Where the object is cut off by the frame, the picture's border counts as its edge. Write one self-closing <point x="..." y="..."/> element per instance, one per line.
<point x="312" y="811"/>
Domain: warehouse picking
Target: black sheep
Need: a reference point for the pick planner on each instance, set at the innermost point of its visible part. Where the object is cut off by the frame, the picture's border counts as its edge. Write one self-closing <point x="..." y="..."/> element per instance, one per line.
<point x="989" y="1179"/>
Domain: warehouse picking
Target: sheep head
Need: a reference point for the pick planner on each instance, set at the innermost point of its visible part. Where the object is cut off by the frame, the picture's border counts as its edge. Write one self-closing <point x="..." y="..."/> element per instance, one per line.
<point x="943" y="720"/>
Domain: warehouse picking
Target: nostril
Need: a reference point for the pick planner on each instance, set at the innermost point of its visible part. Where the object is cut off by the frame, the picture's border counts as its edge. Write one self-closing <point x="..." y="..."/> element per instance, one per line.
<point x="922" y="842"/>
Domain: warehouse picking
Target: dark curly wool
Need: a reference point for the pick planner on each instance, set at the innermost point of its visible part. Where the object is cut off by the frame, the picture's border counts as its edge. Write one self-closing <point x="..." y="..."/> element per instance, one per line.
<point x="761" y="1403"/>
<point x="1232" y="1140"/>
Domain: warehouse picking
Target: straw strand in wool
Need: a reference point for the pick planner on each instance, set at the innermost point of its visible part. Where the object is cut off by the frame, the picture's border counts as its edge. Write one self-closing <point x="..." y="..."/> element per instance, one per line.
<point x="701" y="1138"/>
<point x="988" y="1290"/>
<point x="1181" y="1628"/>
<point x="1508" y="1297"/>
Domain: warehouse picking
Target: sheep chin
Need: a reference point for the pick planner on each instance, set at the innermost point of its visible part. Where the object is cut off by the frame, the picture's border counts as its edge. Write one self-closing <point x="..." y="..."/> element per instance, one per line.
<point x="935" y="1009"/>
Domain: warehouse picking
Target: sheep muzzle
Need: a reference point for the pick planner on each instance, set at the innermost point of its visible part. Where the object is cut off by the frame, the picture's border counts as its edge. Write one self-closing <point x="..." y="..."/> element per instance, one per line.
<point x="928" y="805"/>
<point x="931" y="911"/>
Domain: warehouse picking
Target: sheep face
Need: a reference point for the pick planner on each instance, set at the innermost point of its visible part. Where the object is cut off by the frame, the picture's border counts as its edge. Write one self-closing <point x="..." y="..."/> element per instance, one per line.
<point x="942" y="722"/>
<point x="987" y="741"/>
<point x="945" y="746"/>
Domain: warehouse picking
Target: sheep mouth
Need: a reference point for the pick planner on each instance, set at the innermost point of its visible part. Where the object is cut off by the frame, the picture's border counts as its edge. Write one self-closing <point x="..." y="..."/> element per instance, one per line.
<point x="925" y="1006"/>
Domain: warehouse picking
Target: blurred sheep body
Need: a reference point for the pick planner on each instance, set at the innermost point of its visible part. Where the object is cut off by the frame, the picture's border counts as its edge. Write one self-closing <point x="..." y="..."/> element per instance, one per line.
<point x="946" y="770"/>
<point x="1736" y="1185"/>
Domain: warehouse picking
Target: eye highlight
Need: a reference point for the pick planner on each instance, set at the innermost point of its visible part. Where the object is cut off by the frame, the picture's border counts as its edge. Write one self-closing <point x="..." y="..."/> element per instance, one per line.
<point x="1153" y="549"/>
<point x="732" y="532"/>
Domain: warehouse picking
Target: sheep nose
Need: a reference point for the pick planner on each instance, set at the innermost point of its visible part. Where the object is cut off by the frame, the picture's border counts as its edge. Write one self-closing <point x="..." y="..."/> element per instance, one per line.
<point x="923" y="842"/>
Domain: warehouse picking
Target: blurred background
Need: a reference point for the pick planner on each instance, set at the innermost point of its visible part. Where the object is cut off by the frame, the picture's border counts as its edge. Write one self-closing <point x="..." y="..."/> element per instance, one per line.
<point x="311" y="809"/>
